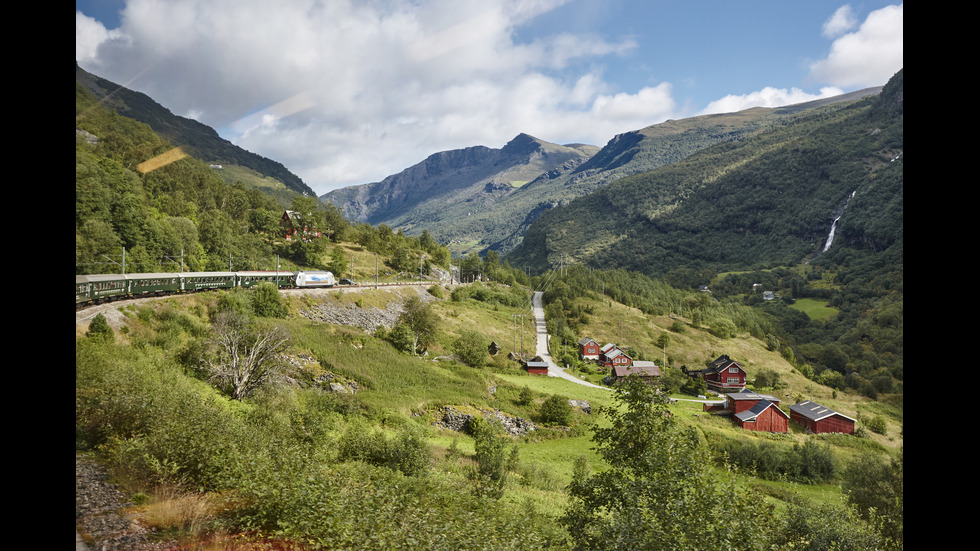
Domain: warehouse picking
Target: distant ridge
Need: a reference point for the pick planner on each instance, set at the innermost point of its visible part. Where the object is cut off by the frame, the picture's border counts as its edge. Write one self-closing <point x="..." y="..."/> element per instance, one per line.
<point x="452" y="184"/>
<point x="485" y="199"/>
<point x="202" y="140"/>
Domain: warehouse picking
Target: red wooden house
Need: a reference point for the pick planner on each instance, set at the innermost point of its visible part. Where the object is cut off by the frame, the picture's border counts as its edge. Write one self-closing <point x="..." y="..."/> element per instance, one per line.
<point x="611" y="356"/>
<point x="588" y="349"/>
<point x="723" y="375"/>
<point x="819" y="419"/>
<point x="292" y="223"/>
<point x="759" y="412"/>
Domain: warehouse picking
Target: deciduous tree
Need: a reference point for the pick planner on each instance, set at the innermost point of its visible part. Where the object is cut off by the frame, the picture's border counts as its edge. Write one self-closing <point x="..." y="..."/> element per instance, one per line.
<point x="659" y="491"/>
<point x="245" y="356"/>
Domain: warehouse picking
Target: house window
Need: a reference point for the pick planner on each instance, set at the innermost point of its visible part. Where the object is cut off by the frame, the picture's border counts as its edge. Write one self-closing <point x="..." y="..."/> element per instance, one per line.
<point x="734" y="380"/>
<point x="733" y="370"/>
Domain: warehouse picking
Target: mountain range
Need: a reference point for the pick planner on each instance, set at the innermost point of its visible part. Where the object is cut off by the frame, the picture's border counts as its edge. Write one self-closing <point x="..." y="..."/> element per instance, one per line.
<point x="483" y="199"/>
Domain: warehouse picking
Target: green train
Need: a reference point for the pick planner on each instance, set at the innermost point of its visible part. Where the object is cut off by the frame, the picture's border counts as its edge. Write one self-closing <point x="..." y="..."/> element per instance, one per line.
<point x="99" y="288"/>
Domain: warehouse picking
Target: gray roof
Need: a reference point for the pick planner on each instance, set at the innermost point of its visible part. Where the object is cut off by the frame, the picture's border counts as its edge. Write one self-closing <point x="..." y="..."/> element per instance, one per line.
<point x="757" y="409"/>
<point x="814" y="411"/>
<point x="749" y="395"/>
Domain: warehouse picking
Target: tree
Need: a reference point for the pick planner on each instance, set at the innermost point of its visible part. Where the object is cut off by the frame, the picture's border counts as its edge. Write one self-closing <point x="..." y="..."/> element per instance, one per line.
<point x="877" y="489"/>
<point x="100" y="329"/>
<point x="556" y="411"/>
<point x="491" y="458"/>
<point x="421" y="322"/>
<point x="267" y="302"/>
<point x="245" y="356"/>
<point x="470" y="348"/>
<point x="659" y="490"/>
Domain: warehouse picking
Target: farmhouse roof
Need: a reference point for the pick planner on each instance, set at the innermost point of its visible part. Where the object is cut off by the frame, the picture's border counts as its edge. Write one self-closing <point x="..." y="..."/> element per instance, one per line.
<point x="586" y="340"/>
<point x="757" y="409"/>
<point x="643" y="369"/>
<point x="749" y="395"/>
<point x="814" y="411"/>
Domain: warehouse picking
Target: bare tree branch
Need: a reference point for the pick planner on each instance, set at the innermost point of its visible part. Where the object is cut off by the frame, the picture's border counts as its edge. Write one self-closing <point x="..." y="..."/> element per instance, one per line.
<point x="247" y="356"/>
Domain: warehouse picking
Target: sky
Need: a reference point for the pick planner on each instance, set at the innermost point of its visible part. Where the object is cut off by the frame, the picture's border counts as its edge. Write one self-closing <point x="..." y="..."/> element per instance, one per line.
<point x="345" y="92"/>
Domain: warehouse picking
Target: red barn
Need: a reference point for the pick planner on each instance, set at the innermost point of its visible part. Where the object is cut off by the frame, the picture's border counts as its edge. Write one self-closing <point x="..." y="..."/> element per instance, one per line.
<point x="759" y="412"/>
<point x="819" y="419"/>
<point x="588" y="349"/>
<point x="537" y="368"/>
<point x="764" y="416"/>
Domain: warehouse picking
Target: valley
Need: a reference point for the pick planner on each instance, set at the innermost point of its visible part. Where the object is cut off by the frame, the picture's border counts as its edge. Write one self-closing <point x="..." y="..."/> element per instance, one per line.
<point x="676" y="244"/>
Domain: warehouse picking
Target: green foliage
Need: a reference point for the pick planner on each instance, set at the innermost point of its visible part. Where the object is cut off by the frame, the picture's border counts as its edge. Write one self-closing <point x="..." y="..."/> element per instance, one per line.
<point x="877" y="424"/>
<point x="406" y="451"/>
<point x="266" y="301"/>
<point x="470" y="348"/>
<point x="100" y="329"/>
<point x="877" y="489"/>
<point x="525" y="397"/>
<point x="491" y="458"/>
<point x="659" y="472"/>
<point x="556" y="411"/>
<point x="827" y="526"/>
<point x="809" y="463"/>
<point x="417" y="325"/>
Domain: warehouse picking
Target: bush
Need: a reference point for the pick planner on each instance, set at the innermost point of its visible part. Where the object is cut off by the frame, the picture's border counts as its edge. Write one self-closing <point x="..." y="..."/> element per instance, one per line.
<point x="100" y="329"/>
<point x="470" y="348"/>
<point x="556" y="411"/>
<point x="406" y="451"/>
<point x="267" y="302"/>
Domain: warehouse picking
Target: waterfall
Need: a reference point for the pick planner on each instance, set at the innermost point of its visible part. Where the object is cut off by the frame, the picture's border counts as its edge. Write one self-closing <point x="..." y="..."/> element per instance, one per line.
<point x="833" y="227"/>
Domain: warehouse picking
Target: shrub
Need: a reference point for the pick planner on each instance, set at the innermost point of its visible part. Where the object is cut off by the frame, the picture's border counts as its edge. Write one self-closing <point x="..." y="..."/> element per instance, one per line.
<point x="556" y="411"/>
<point x="470" y="348"/>
<point x="100" y="329"/>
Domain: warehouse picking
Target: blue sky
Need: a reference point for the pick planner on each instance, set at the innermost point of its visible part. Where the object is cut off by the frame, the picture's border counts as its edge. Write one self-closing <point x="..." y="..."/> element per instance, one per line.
<point x="345" y="92"/>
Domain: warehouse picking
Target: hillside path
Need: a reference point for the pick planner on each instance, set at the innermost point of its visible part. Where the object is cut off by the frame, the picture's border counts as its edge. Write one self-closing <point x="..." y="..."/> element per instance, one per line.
<point x="541" y="332"/>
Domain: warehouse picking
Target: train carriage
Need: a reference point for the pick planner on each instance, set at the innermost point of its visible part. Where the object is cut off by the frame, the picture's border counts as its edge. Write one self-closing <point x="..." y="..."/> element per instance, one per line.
<point x="251" y="279"/>
<point x="154" y="284"/>
<point x="201" y="281"/>
<point x="100" y="288"/>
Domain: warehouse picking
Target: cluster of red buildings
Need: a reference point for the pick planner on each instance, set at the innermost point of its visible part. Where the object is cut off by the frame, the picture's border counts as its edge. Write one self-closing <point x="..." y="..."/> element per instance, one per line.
<point x="612" y="357"/>
<point x="761" y="412"/>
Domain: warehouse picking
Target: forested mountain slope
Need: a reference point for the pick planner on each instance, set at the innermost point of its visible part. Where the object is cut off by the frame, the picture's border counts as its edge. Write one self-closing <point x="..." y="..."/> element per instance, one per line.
<point x="200" y="140"/>
<point x="485" y="199"/>
<point x="764" y="201"/>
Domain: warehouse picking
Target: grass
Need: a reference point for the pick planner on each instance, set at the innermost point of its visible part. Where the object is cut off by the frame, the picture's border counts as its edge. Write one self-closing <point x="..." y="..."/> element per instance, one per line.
<point x="815" y="309"/>
<point x="398" y="388"/>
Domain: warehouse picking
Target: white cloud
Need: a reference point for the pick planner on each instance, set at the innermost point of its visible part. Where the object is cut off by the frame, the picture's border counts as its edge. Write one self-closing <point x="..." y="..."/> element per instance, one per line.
<point x="346" y="92"/>
<point x="843" y="20"/>
<point x="868" y="56"/>
<point x="767" y="97"/>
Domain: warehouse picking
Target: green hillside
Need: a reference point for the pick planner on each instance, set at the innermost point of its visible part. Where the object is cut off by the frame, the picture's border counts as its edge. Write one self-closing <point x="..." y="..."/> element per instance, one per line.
<point x="347" y="440"/>
<point x="199" y="140"/>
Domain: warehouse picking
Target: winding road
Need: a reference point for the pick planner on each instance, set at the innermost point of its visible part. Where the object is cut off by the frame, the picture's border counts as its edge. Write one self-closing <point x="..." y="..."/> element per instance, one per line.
<point x="541" y="332"/>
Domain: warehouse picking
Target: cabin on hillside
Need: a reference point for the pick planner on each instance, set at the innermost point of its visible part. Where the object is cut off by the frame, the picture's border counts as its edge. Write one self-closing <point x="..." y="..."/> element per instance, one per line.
<point x="588" y="349"/>
<point x="611" y="356"/>
<point x="722" y="375"/>
<point x="819" y="419"/>
<point x="536" y="368"/>
<point x="757" y="412"/>
<point x="292" y="224"/>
